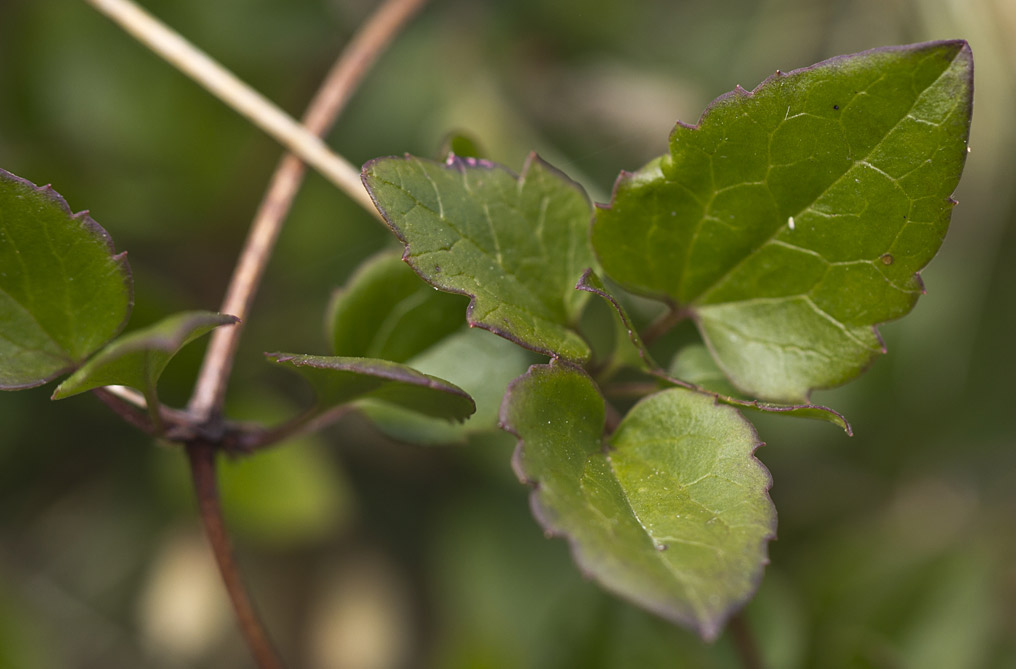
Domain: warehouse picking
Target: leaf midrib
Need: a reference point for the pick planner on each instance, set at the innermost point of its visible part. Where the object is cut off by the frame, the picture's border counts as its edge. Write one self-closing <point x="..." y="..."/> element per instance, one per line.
<point x="698" y="301"/>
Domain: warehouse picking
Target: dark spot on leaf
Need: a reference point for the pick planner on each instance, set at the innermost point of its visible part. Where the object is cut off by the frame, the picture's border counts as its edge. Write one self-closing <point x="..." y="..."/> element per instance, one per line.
<point x="886" y="259"/>
<point x="836" y="106"/>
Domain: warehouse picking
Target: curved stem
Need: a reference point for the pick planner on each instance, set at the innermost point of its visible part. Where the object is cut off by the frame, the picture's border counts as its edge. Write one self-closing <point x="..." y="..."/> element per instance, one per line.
<point x="308" y="422"/>
<point x="202" y="463"/>
<point x="224" y="85"/>
<point x="331" y="98"/>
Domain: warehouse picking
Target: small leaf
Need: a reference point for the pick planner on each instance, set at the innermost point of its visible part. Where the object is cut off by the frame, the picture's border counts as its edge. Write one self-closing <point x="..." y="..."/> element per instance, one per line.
<point x="462" y="145"/>
<point x="795" y="218"/>
<point x="591" y="283"/>
<point x="339" y="381"/>
<point x="675" y="516"/>
<point x="386" y="311"/>
<point x="474" y="360"/>
<point x="515" y="244"/>
<point x="137" y="359"/>
<point x="64" y="292"/>
<point x="696" y="365"/>
<point x="695" y="369"/>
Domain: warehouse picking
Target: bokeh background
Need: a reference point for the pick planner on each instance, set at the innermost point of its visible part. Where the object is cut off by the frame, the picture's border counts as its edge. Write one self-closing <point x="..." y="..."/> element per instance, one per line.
<point x="896" y="548"/>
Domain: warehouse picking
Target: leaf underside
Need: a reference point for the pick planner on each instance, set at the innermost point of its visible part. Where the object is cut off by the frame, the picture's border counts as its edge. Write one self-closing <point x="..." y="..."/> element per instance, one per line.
<point x="64" y="292"/>
<point x="341" y="380"/>
<point x="794" y="218"/>
<point x="474" y="360"/>
<point x="138" y="358"/>
<point x="674" y="516"/>
<point x="516" y="244"/>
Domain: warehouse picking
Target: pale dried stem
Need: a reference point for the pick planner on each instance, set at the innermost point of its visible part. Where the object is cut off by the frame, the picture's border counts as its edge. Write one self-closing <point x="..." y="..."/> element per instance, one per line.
<point x="227" y="87"/>
<point x="343" y="79"/>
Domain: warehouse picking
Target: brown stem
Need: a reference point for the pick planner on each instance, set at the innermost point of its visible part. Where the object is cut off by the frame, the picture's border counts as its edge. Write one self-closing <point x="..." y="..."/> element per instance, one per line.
<point x="331" y="98"/>
<point x="202" y="462"/>
<point x="744" y="642"/>
<point x="127" y="411"/>
<point x="307" y="423"/>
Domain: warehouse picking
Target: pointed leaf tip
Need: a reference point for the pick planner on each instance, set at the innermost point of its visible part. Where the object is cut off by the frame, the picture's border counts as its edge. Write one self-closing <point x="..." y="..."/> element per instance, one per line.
<point x="770" y="219"/>
<point x="341" y="380"/>
<point x="138" y="358"/>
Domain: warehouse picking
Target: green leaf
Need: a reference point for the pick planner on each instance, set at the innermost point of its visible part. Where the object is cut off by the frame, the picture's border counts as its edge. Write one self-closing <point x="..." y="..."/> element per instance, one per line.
<point x="339" y="381"/>
<point x="516" y="244"/>
<point x="386" y="311"/>
<point x="696" y="365"/>
<point x="64" y="292"/>
<point x="794" y="218"/>
<point x="634" y="351"/>
<point x="695" y="369"/>
<point x="474" y="360"/>
<point x="137" y="359"/>
<point x="462" y="145"/>
<point x="675" y="516"/>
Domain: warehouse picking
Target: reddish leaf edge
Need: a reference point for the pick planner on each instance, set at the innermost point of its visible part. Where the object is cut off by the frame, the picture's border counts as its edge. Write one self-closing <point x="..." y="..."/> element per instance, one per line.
<point x="375" y="367"/>
<point x="709" y="631"/>
<point x="963" y="51"/>
<point x="89" y="224"/>
<point x="653" y="368"/>
<point x="461" y="164"/>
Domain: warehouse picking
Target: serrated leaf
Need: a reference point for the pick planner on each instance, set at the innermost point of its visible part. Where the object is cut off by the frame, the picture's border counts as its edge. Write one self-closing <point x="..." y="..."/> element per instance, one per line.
<point x="64" y="291"/>
<point x="515" y="244"/>
<point x="794" y="218"/>
<point x="340" y="380"/>
<point x="675" y="516"/>
<point x="137" y="359"/>
<point x="386" y="311"/>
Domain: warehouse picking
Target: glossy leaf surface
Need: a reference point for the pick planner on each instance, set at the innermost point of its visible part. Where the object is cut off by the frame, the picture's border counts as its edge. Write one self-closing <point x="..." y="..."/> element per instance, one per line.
<point x="675" y="516"/>
<point x="64" y="292"/>
<point x="339" y="380"/>
<point x="138" y="358"/>
<point x="794" y="218"/>
<point x="516" y="244"/>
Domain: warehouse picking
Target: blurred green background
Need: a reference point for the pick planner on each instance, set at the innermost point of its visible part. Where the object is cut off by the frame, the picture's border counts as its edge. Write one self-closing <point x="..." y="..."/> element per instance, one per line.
<point x="896" y="548"/>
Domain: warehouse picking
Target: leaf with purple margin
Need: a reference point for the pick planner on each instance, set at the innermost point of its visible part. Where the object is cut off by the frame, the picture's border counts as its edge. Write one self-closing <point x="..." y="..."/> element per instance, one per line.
<point x="515" y="244"/>
<point x="794" y="218"/>
<point x="591" y="283"/>
<point x="64" y="291"/>
<point x="340" y="380"/>
<point x="696" y="370"/>
<point x="674" y="516"/>
<point x="474" y="360"/>
<point x="138" y="358"/>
